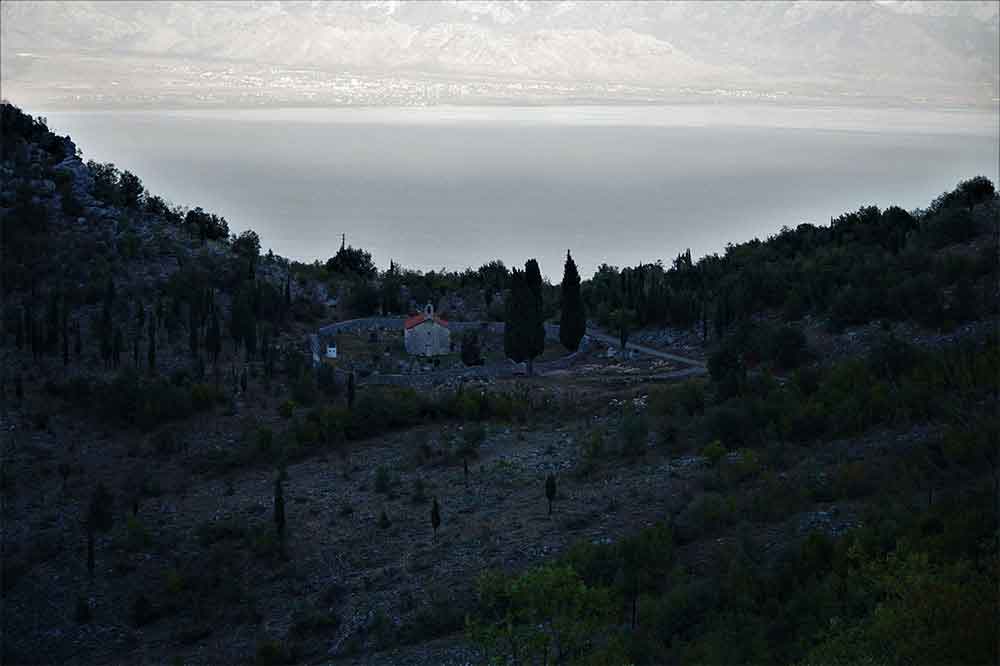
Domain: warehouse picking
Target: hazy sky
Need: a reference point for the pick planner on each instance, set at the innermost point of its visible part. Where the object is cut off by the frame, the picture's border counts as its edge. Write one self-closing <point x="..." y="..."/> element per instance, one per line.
<point x="641" y="128"/>
<point x="84" y="54"/>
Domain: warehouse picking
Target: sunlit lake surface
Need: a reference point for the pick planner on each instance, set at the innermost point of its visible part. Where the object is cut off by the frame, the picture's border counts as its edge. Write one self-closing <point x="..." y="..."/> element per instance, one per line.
<point x="455" y="187"/>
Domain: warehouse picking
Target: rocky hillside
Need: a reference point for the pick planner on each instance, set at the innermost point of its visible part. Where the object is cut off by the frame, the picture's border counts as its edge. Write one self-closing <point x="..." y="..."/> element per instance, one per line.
<point x="179" y="484"/>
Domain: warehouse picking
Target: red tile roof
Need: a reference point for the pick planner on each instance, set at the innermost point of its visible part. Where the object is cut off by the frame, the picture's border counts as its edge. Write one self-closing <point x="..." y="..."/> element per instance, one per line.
<point x="414" y="320"/>
<point x="419" y="318"/>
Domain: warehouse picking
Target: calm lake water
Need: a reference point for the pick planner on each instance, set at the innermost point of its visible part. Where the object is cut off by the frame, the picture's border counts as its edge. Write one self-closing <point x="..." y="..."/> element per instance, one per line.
<point x="455" y="187"/>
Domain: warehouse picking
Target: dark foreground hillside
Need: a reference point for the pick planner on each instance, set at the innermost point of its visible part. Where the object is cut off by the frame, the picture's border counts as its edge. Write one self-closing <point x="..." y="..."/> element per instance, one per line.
<point x="179" y="484"/>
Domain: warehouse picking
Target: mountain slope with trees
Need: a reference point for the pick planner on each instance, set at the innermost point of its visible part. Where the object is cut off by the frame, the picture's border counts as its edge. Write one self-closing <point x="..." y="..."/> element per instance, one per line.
<point x="179" y="482"/>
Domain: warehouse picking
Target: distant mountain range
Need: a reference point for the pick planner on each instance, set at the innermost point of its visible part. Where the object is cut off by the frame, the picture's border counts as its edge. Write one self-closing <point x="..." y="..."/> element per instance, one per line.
<point x="945" y="51"/>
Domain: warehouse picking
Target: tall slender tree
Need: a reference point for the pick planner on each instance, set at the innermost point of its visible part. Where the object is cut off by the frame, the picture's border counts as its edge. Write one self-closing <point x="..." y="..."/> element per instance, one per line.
<point x="64" y="325"/>
<point x="151" y="351"/>
<point x="116" y="347"/>
<point x="524" y="332"/>
<point x="192" y="330"/>
<point x="435" y="516"/>
<point x="213" y="339"/>
<point x="572" y="319"/>
<point x="19" y="332"/>
<point x="279" y="509"/>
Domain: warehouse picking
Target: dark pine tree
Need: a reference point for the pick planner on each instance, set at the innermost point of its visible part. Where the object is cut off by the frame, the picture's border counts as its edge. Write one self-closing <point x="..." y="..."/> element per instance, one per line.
<point x="77" y="340"/>
<point x="117" y="343"/>
<point x="435" y="516"/>
<point x="550" y="490"/>
<point x="151" y="351"/>
<point x="19" y="332"/>
<point x="279" y="508"/>
<point x="65" y="333"/>
<point x="250" y="340"/>
<point x="213" y="339"/>
<point x="52" y="323"/>
<point x="106" y="334"/>
<point x="90" y="550"/>
<point x="524" y="332"/>
<point x="350" y="390"/>
<point x="572" y="320"/>
<point x="192" y="331"/>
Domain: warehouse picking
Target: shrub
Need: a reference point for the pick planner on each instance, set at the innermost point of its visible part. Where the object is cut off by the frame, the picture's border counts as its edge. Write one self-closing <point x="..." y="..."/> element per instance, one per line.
<point x="81" y="613"/>
<point x="714" y="452"/>
<point x="634" y="433"/>
<point x="472" y="438"/>
<point x="286" y="409"/>
<point x="591" y="451"/>
<point x="382" y="479"/>
<point x="136" y="536"/>
<point x="745" y="465"/>
<point x="419" y="496"/>
<point x="100" y="514"/>
<point x="204" y="396"/>
<point x="143" y="611"/>
<point x="175" y="582"/>
<point x="271" y="653"/>
<point x="731" y="423"/>
<point x="383" y="520"/>
<point x="317" y="622"/>
<point x="790" y="349"/>
<point x="265" y="439"/>
<point x="305" y="391"/>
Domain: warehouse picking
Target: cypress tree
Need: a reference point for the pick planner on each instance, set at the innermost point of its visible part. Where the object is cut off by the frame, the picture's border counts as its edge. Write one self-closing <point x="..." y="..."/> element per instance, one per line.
<point x="279" y="508"/>
<point x="19" y="332"/>
<point x="524" y="332"/>
<point x="513" y="320"/>
<point x="39" y="336"/>
<point x="550" y="490"/>
<point x="435" y="516"/>
<point x="65" y="334"/>
<point x="90" y="550"/>
<point x="151" y="352"/>
<point x="19" y="388"/>
<point x="106" y="334"/>
<point x="117" y="344"/>
<point x="26" y="325"/>
<point x="77" y="340"/>
<point x="52" y="321"/>
<point x="350" y="390"/>
<point x="192" y="331"/>
<point x="251" y="339"/>
<point x="213" y="339"/>
<point x="572" y="320"/>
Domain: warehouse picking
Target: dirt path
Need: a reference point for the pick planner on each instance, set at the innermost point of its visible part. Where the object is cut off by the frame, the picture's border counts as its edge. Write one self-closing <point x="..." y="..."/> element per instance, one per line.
<point x="610" y="340"/>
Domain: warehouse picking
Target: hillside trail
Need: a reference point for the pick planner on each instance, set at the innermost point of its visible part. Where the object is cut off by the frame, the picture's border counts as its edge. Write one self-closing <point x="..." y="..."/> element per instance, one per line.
<point x="696" y="367"/>
<point x="642" y="349"/>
